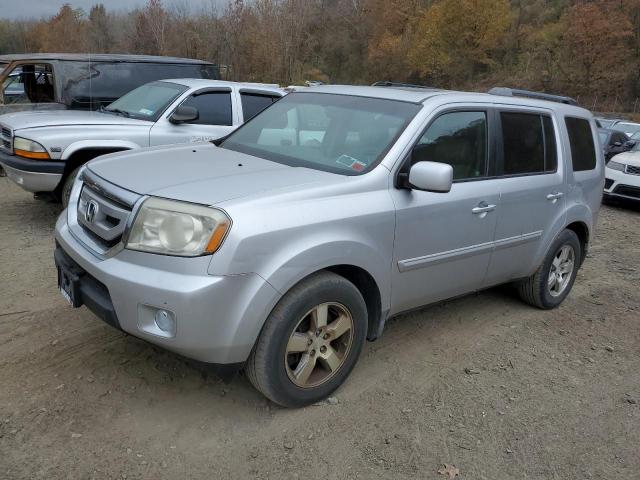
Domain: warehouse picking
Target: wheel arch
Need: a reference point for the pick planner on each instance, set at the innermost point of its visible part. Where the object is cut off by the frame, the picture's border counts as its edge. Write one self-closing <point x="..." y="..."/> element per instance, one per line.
<point x="79" y="153"/>
<point x="581" y="229"/>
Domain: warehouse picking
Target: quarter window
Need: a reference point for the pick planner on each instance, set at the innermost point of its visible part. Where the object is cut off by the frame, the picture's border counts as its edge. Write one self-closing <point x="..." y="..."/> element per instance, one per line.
<point x="458" y="139"/>
<point x="253" y="104"/>
<point x="583" y="151"/>
<point x="214" y="108"/>
<point x="528" y="144"/>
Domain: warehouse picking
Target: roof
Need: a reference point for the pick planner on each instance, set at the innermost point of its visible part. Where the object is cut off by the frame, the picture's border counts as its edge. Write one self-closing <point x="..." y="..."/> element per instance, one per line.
<point x="421" y="95"/>
<point x="406" y="94"/>
<point x="204" y="83"/>
<point x="99" y="57"/>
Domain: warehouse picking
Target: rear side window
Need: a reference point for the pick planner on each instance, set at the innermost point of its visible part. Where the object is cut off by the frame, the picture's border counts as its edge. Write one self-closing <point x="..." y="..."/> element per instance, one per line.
<point x="214" y="108"/>
<point x="528" y="142"/>
<point x="253" y="104"/>
<point x="583" y="151"/>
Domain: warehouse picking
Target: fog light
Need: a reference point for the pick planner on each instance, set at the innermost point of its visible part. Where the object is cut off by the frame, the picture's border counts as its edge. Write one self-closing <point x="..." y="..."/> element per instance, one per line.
<point x="165" y="322"/>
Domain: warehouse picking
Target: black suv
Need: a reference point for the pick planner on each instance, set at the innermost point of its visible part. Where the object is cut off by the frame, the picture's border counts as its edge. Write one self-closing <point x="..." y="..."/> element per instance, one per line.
<point x="81" y="81"/>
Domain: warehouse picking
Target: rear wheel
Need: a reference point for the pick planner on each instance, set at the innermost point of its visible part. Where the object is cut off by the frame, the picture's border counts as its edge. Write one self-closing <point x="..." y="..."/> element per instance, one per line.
<point x="310" y="342"/>
<point x="551" y="283"/>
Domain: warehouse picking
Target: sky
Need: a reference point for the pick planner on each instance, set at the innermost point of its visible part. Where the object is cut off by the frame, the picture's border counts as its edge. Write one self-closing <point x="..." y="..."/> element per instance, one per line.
<point x="16" y="9"/>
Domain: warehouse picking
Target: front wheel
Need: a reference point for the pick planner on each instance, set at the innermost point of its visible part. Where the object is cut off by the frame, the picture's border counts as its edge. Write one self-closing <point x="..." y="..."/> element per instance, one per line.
<point x="551" y="283"/>
<point x="65" y="193"/>
<point x="310" y="342"/>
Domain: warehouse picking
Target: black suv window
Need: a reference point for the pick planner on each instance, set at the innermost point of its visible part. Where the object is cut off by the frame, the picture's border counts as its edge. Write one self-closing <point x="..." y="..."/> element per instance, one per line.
<point x="214" y="108"/>
<point x="29" y="83"/>
<point x="528" y="144"/>
<point x="253" y="103"/>
<point x="583" y="151"/>
<point x="458" y="139"/>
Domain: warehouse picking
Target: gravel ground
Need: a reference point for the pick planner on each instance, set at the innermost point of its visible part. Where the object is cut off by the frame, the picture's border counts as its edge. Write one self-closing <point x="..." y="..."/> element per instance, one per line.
<point x="485" y="383"/>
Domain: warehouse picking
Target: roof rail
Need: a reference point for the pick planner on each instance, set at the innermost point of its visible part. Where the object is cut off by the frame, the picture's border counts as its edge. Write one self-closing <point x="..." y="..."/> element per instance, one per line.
<point x="386" y="83"/>
<point x="514" y="92"/>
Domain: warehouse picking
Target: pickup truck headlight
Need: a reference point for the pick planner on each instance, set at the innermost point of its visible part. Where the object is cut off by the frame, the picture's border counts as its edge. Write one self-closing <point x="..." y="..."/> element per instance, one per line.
<point x="23" y="147"/>
<point x="177" y="228"/>
<point x="616" y="166"/>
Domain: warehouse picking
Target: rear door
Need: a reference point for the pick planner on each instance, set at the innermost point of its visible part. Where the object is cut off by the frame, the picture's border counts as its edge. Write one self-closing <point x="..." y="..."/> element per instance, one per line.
<point x="217" y="118"/>
<point x="252" y="102"/>
<point x="529" y="175"/>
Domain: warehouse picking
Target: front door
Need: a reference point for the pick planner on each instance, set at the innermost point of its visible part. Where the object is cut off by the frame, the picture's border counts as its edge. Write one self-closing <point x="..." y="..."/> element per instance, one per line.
<point x="444" y="240"/>
<point x="216" y="119"/>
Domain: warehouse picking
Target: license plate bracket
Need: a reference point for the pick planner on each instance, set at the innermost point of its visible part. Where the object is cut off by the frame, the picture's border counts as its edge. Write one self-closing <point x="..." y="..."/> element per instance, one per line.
<point x="69" y="285"/>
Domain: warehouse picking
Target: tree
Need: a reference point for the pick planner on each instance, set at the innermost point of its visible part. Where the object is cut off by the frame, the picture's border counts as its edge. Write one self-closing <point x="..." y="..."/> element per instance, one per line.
<point x="455" y="40"/>
<point x="101" y="39"/>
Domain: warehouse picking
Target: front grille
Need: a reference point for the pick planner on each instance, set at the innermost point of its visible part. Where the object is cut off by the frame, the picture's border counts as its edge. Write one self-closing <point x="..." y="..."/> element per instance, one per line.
<point x="627" y="191"/>
<point x="6" y="138"/>
<point x="631" y="170"/>
<point x="102" y="212"/>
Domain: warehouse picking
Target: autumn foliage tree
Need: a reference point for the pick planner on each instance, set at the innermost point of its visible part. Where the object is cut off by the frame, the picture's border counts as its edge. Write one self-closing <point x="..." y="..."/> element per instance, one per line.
<point x="583" y="48"/>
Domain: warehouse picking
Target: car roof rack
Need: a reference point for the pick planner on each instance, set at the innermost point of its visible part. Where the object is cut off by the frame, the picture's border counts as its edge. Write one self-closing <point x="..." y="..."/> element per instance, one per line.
<point x="514" y="92"/>
<point x="386" y="83"/>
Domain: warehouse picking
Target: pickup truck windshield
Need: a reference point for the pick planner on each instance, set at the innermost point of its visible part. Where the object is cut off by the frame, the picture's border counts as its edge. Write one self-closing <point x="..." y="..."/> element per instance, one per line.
<point x="335" y="133"/>
<point x="146" y="102"/>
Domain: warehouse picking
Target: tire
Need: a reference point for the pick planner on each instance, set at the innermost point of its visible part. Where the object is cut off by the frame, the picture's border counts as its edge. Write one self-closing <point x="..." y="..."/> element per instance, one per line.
<point x="65" y="192"/>
<point x="270" y="367"/>
<point x="537" y="290"/>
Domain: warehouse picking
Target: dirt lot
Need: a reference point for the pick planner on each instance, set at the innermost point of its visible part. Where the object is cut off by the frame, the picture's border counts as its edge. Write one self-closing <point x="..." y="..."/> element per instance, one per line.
<point x="549" y="395"/>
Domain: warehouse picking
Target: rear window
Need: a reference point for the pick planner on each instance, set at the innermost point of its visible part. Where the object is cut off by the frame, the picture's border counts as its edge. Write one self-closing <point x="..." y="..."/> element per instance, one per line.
<point x="528" y="144"/>
<point x="583" y="151"/>
<point x="253" y="104"/>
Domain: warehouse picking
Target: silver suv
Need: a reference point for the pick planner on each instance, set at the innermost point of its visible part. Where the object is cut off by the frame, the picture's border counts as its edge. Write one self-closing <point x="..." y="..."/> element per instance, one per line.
<point x="286" y="245"/>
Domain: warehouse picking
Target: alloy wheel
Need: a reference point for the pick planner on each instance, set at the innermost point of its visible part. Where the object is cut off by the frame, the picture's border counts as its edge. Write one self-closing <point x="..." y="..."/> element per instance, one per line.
<point x="319" y="345"/>
<point x="561" y="270"/>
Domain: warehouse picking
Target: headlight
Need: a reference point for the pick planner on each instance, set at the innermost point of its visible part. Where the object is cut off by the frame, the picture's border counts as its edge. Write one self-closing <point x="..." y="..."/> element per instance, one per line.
<point x="23" y="147"/>
<point x="616" y="166"/>
<point x="178" y="228"/>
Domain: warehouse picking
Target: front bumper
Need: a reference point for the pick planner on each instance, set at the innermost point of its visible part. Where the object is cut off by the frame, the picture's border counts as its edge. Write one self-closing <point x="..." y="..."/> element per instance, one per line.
<point x="33" y="175"/>
<point x="621" y="185"/>
<point x="218" y="318"/>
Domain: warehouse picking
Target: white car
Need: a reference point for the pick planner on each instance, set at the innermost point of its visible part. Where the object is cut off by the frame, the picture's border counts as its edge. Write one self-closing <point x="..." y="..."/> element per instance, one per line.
<point x="623" y="176"/>
<point x="42" y="151"/>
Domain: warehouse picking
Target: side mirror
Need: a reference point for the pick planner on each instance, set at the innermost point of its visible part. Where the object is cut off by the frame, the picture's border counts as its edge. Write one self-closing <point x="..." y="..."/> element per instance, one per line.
<point x="431" y="177"/>
<point x="184" y="114"/>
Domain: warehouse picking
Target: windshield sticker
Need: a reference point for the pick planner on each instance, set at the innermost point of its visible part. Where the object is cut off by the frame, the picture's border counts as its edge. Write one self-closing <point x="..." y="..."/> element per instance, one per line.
<point x="145" y="111"/>
<point x="351" y="162"/>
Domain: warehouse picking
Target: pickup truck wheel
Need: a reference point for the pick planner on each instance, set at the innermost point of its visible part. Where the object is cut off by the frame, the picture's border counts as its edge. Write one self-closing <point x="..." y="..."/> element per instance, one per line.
<point x="552" y="282"/>
<point x="65" y="193"/>
<point x="310" y="342"/>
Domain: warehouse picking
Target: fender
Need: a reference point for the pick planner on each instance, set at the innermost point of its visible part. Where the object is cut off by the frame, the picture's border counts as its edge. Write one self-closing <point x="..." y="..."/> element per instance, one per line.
<point x="97" y="144"/>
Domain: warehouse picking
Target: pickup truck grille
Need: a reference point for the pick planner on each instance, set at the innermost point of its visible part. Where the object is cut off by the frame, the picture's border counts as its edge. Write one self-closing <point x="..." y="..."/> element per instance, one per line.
<point x="103" y="212"/>
<point x="631" y="170"/>
<point x="6" y="139"/>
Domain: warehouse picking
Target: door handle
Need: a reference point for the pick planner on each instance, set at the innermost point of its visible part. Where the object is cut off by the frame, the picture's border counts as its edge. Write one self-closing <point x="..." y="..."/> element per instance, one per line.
<point x="552" y="197"/>
<point x="483" y="208"/>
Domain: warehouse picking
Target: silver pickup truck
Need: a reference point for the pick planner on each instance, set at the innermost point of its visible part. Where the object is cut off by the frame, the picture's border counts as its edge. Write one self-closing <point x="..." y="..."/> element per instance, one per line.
<point x="42" y="151"/>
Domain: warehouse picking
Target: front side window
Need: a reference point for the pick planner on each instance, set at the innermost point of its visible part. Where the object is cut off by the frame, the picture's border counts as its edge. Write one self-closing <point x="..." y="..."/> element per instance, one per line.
<point x="214" y="108"/>
<point x="253" y="104"/>
<point x="628" y="128"/>
<point x="147" y="102"/>
<point x="29" y="83"/>
<point x="458" y="139"/>
<point x="583" y="151"/>
<point x="336" y="133"/>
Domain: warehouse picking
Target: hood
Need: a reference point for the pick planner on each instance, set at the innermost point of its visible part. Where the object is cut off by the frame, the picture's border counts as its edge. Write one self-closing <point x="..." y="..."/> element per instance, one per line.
<point x="628" y="158"/>
<point x="202" y="173"/>
<point x="56" y="118"/>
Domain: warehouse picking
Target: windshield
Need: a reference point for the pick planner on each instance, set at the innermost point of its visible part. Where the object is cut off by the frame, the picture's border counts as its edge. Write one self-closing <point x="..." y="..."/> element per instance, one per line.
<point x="148" y="101"/>
<point x="628" y="128"/>
<point x="335" y="133"/>
<point x="603" y="137"/>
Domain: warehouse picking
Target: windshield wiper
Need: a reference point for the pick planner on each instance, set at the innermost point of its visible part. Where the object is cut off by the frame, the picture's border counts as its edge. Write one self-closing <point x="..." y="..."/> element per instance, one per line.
<point x="117" y="111"/>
